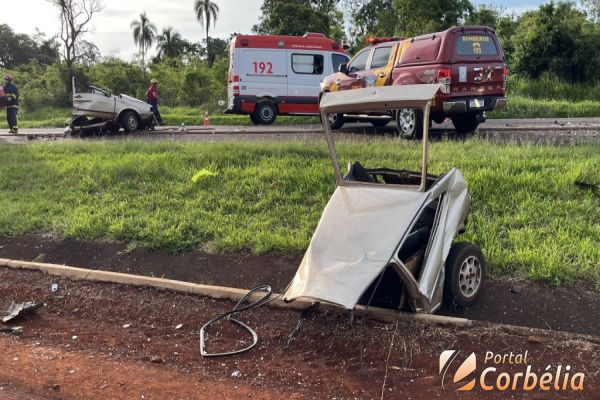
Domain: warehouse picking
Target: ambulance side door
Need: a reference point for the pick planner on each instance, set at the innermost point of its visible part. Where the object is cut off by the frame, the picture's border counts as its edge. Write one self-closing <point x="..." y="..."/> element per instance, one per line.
<point x="263" y="73"/>
<point x="306" y="70"/>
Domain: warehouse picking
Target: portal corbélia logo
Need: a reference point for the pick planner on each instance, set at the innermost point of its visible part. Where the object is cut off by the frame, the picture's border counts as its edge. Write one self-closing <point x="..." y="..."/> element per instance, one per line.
<point x="505" y="372"/>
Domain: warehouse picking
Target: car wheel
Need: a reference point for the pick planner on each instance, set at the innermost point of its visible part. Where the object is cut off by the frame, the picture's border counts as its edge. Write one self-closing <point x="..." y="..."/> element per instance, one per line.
<point x="465" y="123"/>
<point x="336" y="121"/>
<point x="265" y="113"/>
<point x="410" y="123"/>
<point x="254" y="120"/>
<point x="465" y="274"/>
<point x="130" y="121"/>
<point x="379" y="123"/>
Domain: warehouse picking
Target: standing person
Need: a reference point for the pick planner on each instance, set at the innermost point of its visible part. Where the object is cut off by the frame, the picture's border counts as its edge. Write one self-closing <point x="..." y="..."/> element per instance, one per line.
<point x="153" y="100"/>
<point x="12" y="110"/>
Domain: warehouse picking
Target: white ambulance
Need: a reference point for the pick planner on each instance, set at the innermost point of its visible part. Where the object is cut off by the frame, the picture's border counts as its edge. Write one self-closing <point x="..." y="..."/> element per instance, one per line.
<point x="271" y="75"/>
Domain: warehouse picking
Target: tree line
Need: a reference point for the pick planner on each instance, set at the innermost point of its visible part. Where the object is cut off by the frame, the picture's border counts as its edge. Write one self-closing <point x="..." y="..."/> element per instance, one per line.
<point x="560" y="40"/>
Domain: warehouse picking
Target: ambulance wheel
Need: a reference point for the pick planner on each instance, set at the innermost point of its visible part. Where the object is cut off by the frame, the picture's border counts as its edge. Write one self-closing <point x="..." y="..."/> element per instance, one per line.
<point x="265" y="113"/>
<point x="254" y="120"/>
<point x="465" y="274"/>
<point x="336" y="121"/>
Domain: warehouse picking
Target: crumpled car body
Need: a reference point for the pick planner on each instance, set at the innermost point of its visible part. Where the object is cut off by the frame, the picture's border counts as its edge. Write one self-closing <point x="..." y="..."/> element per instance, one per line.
<point x="385" y="234"/>
<point x="99" y="107"/>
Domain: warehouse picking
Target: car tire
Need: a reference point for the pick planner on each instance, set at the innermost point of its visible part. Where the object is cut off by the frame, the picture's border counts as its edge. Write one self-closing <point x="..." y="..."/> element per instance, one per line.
<point x="265" y="113"/>
<point x="465" y="274"/>
<point x="336" y="121"/>
<point x="379" y="123"/>
<point x="254" y="120"/>
<point x="130" y="121"/>
<point x="465" y="123"/>
<point x="409" y="123"/>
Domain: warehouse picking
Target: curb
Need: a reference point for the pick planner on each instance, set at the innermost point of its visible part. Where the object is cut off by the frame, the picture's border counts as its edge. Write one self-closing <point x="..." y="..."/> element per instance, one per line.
<point x="234" y="294"/>
<point x="219" y="292"/>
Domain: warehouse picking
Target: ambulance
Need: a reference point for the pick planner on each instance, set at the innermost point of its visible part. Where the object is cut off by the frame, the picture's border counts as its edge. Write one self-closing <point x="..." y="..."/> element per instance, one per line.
<point x="272" y="75"/>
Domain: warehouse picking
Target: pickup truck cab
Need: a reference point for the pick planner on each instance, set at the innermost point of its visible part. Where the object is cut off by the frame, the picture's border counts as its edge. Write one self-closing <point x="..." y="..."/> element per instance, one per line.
<point x="467" y="61"/>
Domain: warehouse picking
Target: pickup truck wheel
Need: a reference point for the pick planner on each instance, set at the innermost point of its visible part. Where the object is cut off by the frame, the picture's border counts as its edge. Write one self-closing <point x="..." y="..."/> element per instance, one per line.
<point x="130" y="121"/>
<point x="465" y="123"/>
<point x="410" y="123"/>
<point x="336" y="121"/>
<point x="265" y="113"/>
<point x="465" y="274"/>
<point x="254" y="120"/>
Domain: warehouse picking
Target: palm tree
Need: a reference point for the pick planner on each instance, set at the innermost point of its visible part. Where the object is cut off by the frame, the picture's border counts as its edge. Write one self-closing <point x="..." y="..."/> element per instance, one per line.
<point x="144" y="33"/>
<point x="169" y="44"/>
<point x="206" y="13"/>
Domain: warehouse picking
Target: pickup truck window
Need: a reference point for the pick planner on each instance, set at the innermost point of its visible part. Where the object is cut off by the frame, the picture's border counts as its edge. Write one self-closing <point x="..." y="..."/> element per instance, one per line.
<point x="359" y="63"/>
<point x="381" y="55"/>
<point x="337" y="60"/>
<point x="476" y="45"/>
<point x="421" y="50"/>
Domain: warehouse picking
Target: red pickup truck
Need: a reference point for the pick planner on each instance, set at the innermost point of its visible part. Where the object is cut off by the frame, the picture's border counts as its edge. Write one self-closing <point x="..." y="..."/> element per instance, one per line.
<point x="467" y="61"/>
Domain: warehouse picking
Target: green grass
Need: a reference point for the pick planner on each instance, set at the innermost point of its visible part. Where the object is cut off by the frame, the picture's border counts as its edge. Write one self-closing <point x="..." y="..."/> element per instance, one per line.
<point x="530" y="216"/>
<point x="523" y="107"/>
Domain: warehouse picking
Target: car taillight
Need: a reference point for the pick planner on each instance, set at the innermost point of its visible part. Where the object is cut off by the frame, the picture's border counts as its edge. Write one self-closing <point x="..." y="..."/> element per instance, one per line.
<point x="504" y="77"/>
<point x="236" y="88"/>
<point x="444" y="77"/>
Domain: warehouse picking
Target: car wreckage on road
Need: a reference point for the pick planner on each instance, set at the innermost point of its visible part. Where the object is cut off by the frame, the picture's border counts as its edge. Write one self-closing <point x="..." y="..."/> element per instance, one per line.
<point x="99" y="111"/>
<point x="386" y="236"/>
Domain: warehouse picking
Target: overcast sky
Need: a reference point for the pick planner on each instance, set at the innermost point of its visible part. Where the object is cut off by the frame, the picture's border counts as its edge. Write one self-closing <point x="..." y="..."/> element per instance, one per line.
<point x="111" y="28"/>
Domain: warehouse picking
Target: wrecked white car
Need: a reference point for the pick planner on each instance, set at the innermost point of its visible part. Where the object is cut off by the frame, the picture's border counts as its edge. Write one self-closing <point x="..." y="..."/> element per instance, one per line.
<point x="97" y="110"/>
<point x="386" y="236"/>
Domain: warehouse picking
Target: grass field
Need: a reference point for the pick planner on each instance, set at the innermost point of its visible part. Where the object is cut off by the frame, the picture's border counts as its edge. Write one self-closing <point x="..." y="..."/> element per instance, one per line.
<point x="530" y="216"/>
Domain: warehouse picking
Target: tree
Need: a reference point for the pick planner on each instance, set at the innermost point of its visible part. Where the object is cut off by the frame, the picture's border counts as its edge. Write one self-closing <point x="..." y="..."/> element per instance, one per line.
<point x="170" y="44"/>
<point x="206" y="13"/>
<point x="219" y="48"/>
<point x="18" y="49"/>
<point x="144" y="33"/>
<point x="370" y="18"/>
<point x="557" y="39"/>
<point x="75" y="16"/>
<point x="416" y="17"/>
<point x="296" y="17"/>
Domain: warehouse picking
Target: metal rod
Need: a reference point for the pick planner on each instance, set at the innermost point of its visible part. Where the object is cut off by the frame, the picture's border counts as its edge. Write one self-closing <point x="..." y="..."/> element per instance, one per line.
<point x="425" y="160"/>
<point x="331" y="146"/>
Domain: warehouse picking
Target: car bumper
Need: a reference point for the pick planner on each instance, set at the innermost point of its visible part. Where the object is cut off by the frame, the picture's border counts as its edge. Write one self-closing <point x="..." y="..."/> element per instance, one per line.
<point x="462" y="106"/>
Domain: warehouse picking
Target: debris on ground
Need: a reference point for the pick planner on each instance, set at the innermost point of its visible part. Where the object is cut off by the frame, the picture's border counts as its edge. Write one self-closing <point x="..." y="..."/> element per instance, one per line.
<point x="16" y="330"/>
<point x="17" y="310"/>
<point x="236" y="374"/>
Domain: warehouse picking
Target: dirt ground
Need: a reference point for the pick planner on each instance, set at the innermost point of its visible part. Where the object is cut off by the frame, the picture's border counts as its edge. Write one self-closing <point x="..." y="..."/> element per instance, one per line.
<point x="573" y="309"/>
<point x="104" y="341"/>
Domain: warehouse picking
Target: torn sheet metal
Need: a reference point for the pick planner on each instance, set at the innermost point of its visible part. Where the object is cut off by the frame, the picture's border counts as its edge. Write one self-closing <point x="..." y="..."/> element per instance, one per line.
<point x="362" y="230"/>
<point x="17" y="310"/>
<point x="355" y="239"/>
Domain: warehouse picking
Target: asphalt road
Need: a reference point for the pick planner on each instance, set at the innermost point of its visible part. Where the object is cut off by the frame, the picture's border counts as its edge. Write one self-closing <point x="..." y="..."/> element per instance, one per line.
<point x="558" y="131"/>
